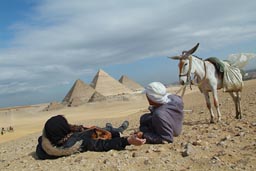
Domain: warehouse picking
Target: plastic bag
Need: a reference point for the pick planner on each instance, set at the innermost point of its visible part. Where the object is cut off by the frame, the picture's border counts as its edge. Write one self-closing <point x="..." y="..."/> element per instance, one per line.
<point x="240" y="60"/>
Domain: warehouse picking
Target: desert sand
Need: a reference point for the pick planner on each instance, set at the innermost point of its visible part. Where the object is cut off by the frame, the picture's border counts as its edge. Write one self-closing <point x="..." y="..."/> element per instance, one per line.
<point x="227" y="145"/>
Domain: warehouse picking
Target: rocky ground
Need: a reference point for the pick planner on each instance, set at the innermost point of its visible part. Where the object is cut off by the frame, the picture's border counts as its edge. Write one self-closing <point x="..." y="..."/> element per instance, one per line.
<point x="228" y="145"/>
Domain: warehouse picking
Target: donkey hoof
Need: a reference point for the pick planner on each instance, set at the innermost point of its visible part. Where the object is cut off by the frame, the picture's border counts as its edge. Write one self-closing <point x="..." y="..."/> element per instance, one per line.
<point x="212" y="122"/>
<point x="238" y="117"/>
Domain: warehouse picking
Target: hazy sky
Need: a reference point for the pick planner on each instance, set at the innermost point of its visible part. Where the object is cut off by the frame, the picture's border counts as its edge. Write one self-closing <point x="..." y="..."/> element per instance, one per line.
<point x="46" y="45"/>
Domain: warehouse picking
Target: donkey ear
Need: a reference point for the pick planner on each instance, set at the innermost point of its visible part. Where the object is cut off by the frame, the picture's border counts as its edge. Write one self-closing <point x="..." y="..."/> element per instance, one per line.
<point x="174" y="57"/>
<point x="191" y="51"/>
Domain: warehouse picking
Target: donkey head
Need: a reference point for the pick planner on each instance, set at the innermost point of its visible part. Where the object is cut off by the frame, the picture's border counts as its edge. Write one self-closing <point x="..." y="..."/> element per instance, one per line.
<point x="184" y="64"/>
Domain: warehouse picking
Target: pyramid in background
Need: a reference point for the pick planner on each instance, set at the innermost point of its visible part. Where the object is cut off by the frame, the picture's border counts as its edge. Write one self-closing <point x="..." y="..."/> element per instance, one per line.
<point x="76" y="101"/>
<point x="130" y="83"/>
<point x="79" y="92"/>
<point x="97" y="97"/>
<point x="54" y="106"/>
<point x="107" y="85"/>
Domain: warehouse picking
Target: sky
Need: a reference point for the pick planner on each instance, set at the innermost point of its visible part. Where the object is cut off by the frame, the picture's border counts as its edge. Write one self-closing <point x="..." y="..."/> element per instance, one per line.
<point x="46" y="45"/>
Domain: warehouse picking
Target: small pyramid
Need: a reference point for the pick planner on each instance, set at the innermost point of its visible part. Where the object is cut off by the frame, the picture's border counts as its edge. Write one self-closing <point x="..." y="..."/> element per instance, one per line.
<point x="75" y="102"/>
<point x="130" y="83"/>
<point x="54" y="106"/>
<point x="97" y="97"/>
<point x="80" y="91"/>
<point x="107" y="85"/>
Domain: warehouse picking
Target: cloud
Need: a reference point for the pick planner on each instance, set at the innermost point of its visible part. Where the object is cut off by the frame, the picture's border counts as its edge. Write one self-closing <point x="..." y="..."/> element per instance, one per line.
<point x="63" y="40"/>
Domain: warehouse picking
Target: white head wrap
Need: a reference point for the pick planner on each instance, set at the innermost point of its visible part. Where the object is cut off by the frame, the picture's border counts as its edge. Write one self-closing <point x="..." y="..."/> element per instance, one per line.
<point x="156" y="92"/>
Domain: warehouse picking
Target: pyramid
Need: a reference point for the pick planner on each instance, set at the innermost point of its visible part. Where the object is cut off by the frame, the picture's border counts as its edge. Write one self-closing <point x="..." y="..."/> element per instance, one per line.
<point x="130" y="83"/>
<point x="97" y="97"/>
<point x="107" y="85"/>
<point x="54" y="106"/>
<point x="79" y="91"/>
<point x="76" y="101"/>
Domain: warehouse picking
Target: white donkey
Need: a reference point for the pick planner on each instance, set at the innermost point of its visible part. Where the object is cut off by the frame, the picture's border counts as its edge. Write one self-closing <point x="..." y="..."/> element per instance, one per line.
<point x="208" y="80"/>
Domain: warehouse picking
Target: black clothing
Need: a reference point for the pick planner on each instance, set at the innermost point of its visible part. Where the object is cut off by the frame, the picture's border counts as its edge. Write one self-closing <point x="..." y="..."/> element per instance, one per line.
<point x="56" y="128"/>
<point x="88" y="144"/>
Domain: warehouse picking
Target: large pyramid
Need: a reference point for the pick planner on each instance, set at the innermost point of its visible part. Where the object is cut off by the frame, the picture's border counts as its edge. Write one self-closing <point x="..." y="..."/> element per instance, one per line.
<point x="79" y="92"/>
<point x="130" y="83"/>
<point x="107" y="85"/>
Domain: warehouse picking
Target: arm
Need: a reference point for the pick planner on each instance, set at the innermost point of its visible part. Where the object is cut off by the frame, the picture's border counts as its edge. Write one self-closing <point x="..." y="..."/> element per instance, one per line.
<point x="152" y="138"/>
<point x="77" y="128"/>
<point x="118" y="143"/>
<point x="104" y="145"/>
<point x="146" y="122"/>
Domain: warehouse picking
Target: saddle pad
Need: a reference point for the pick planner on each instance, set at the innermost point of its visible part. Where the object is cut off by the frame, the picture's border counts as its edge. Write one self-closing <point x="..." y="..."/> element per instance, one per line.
<point x="219" y="64"/>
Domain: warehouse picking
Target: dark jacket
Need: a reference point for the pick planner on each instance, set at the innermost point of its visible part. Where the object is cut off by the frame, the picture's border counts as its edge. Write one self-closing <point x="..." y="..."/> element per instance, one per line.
<point x="163" y="122"/>
<point x="78" y="142"/>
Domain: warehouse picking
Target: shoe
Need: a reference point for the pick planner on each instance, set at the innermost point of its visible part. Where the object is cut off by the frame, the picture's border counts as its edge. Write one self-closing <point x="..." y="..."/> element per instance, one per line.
<point x="109" y="125"/>
<point x="124" y="126"/>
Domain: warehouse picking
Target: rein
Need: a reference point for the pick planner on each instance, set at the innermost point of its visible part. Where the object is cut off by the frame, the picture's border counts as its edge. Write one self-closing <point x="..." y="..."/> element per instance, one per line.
<point x="182" y="88"/>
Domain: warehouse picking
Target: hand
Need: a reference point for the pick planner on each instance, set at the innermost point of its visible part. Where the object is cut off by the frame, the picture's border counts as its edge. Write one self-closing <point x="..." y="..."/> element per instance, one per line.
<point x="134" y="140"/>
<point x="139" y="134"/>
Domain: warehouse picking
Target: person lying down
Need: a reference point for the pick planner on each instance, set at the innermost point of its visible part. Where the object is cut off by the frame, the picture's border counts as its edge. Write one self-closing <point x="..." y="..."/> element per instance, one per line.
<point x="59" y="138"/>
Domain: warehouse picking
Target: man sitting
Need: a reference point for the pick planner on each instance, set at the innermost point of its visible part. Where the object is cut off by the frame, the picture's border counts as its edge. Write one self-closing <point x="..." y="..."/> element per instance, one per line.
<point x="165" y="118"/>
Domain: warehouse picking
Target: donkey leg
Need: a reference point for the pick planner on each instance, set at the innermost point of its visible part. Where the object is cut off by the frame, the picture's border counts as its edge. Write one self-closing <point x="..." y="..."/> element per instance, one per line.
<point x="239" y="113"/>
<point x="235" y="99"/>
<point x="216" y="103"/>
<point x="208" y="104"/>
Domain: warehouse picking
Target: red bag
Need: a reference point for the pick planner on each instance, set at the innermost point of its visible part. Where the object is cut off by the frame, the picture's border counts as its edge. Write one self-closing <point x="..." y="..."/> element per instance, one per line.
<point x="99" y="133"/>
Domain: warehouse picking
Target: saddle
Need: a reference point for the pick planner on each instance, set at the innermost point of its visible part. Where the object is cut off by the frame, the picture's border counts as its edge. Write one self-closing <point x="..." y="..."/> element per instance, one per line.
<point x="219" y="64"/>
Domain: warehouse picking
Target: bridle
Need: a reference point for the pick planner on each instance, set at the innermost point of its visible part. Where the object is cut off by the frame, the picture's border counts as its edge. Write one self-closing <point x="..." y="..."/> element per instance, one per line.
<point x="188" y="75"/>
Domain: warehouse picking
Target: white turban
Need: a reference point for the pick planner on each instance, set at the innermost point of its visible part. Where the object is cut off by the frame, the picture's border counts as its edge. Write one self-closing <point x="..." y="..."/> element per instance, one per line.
<point x="156" y="92"/>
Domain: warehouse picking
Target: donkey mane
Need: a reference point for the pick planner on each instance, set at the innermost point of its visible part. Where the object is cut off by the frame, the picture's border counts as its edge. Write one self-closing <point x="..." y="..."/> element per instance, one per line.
<point x="197" y="57"/>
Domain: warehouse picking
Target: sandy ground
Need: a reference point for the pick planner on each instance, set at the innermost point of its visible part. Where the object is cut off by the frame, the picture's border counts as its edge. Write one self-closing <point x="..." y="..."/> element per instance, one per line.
<point x="228" y="145"/>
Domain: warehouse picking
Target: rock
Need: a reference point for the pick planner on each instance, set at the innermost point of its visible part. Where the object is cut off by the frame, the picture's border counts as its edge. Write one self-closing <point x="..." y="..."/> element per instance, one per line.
<point x="253" y="124"/>
<point x="240" y="134"/>
<point x="212" y="135"/>
<point x="188" y="150"/>
<point x="196" y="143"/>
<point x="221" y="143"/>
<point x="78" y="159"/>
<point x="114" y="154"/>
<point x="226" y="138"/>
<point x="215" y="128"/>
<point x="147" y="162"/>
<point x="106" y="161"/>
<point x="239" y="127"/>
<point x="215" y="159"/>
<point x="159" y="149"/>
<point x="134" y="154"/>
<point x="149" y="151"/>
